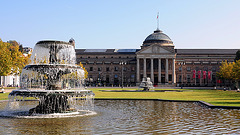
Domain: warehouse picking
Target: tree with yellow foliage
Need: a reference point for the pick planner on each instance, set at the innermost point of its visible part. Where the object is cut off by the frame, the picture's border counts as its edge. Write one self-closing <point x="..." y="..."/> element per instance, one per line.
<point x="230" y="71"/>
<point x="236" y="72"/>
<point x="226" y="70"/>
<point x="5" y="59"/>
<point x="12" y="60"/>
<point x="85" y="71"/>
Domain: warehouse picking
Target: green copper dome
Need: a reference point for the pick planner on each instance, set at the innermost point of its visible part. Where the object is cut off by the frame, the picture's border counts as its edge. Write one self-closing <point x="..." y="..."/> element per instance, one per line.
<point x="158" y="37"/>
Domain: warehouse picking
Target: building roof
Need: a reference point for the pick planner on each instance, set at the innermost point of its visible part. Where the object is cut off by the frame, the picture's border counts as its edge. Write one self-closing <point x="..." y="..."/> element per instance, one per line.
<point x="206" y="51"/>
<point x="178" y="51"/>
<point x="106" y="51"/>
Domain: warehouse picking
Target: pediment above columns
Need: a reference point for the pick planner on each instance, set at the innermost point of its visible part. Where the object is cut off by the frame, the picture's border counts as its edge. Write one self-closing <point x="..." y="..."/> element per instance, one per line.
<point x="156" y="51"/>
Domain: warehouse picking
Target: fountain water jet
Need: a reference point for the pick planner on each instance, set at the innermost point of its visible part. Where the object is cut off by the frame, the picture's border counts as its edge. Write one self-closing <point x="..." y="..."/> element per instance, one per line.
<point x="52" y="78"/>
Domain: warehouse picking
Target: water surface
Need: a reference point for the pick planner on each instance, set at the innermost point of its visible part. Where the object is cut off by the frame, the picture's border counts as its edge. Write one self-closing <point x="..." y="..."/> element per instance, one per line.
<point x="132" y="117"/>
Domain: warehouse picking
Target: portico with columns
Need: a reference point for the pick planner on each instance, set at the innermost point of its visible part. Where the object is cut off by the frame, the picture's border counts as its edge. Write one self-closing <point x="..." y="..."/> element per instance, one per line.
<point x="157" y="63"/>
<point x="156" y="59"/>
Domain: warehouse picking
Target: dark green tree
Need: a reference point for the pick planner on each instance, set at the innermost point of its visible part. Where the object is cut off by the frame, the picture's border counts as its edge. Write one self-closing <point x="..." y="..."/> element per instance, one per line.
<point x="237" y="56"/>
<point x="21" y="48"/>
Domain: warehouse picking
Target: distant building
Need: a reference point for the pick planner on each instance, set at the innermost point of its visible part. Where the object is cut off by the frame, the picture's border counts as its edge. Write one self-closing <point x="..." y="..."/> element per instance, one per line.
<point x="10" y="81"/>
<point x="27" y="50"/>
<point x="157" y="59"/>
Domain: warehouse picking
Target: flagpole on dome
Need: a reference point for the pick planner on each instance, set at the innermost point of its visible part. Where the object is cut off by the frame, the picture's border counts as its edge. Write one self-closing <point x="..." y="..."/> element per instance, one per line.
<point x="158" y="21"/>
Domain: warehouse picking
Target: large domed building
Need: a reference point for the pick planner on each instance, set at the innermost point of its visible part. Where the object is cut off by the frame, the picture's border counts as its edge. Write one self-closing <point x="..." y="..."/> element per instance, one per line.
<point x="157" y="59"/>
<point x="156" y="55"/>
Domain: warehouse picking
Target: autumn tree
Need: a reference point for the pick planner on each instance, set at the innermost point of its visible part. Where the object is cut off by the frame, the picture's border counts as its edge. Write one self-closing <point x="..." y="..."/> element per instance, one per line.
<point x="236" y="72"/>
<point x="225" y="70"/>
<point x="5" y="59"/>
<point x="85" y="71"/>
<point x="230" y="71"/>
<point x="11" y="59"/>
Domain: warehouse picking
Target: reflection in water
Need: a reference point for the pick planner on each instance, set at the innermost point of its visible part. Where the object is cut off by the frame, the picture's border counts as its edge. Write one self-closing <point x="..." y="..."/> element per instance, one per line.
<point x="133" y="117"/>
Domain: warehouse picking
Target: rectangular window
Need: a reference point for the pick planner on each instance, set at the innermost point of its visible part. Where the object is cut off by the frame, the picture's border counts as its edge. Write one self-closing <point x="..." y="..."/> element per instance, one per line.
<point x="188" y="79"/>
<point x="91" y="68"/>
<point x="133" y="68"/>
<point x="107" y="79"/>
<point x="107" y="68"/>
<point x="180" y="78"/>
<point x="188" y="68"/>
<point x="170" y="66"/>
<point x="170" y="77"/>
<point x="132" y="78"/>
<point x="99" y="69"/>
<point x="115" y="68"/>
<point x="180" y="68"/>
<point x="214" y="69"/>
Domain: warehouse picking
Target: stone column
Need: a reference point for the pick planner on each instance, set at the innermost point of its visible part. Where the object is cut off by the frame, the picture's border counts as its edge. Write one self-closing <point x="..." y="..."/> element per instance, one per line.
<point x="173" y="71"/>
<point x="144" y="67"/>
<point x="166" y="71"/>
<point x="138" y="76"/>
<point x="159" y="70"/>
<point x="152" y="72"/>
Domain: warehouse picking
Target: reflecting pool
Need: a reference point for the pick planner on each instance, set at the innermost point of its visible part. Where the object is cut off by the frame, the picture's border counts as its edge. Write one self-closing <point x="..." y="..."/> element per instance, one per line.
<point x="131" y="117"/>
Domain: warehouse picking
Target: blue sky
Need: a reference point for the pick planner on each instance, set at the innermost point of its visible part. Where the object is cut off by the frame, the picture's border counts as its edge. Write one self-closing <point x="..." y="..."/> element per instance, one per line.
<point x="96" y="24"/>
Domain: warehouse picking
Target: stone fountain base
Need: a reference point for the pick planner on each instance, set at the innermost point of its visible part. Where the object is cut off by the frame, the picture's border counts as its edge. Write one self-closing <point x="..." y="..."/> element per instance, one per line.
<point x="51" y="104"/>
<point x="51" y="101"/>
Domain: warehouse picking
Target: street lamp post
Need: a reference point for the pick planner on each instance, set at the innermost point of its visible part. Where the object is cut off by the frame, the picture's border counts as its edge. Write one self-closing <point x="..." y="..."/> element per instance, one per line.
<point x="181" y="64"/>
<point x="122" y="64"/>
<point x="99" y="79"/>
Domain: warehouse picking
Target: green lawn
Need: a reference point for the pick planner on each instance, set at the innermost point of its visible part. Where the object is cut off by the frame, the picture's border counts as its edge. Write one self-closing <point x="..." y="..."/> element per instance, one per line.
<point x="215" y="97"/>
<point x="4" y="96"/>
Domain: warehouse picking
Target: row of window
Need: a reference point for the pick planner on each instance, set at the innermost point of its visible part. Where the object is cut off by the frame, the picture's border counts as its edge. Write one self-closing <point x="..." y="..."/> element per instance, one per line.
<point x="105" y="57"/>
<point x="115" y="76"/>
<point x="106" y="62"/>
<point x="189" y="78"/>
<point x="201" y="62"/>
<point x="115" y="69"/>
<point x="197" y="68"/>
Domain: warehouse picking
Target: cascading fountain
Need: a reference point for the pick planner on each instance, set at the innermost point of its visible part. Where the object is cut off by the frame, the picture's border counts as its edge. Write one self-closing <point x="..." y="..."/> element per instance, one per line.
<point x="53" y="78"/>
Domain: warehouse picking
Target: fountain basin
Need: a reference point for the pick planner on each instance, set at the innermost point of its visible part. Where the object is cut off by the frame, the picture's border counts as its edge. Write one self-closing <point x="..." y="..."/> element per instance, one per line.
<point x="51" y="101"/>
<point x="37" y="93"/>
<point x="54" y="69"/>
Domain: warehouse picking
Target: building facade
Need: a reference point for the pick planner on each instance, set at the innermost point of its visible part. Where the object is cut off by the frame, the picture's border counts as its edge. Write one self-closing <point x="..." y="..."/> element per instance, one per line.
<point x="10" y="81"/>
<point x="157" y="59"/>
